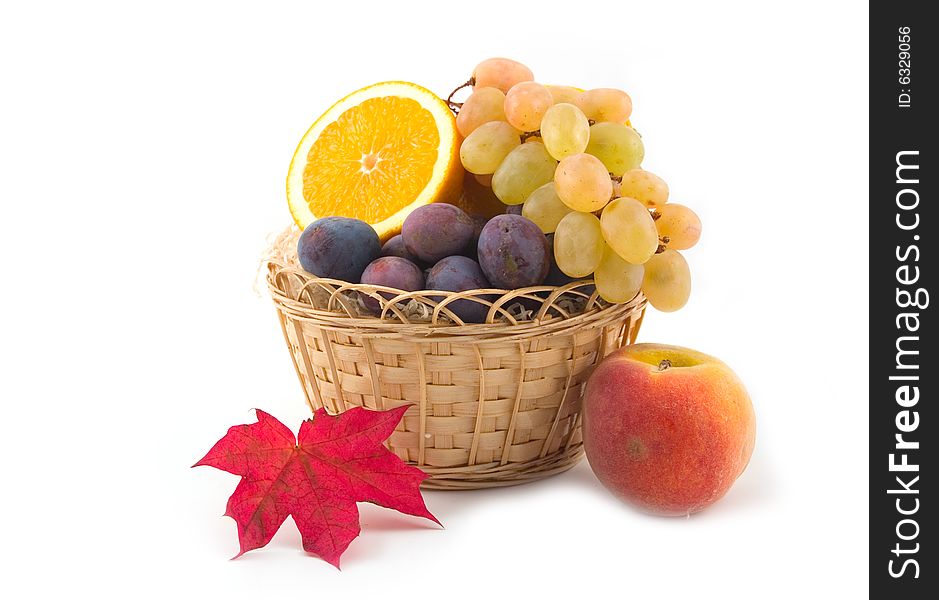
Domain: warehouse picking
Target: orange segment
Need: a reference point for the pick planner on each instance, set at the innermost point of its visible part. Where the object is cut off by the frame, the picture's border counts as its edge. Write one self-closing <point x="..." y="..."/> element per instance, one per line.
<point x="376" y="155"/>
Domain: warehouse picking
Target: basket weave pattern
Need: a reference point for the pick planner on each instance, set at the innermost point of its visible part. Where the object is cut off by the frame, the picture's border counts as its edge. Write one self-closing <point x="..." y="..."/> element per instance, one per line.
<point x="493" y="404"/>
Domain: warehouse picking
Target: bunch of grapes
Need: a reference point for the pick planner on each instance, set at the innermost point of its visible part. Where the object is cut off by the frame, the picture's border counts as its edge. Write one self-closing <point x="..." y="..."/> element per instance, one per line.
<point x="572" y="161"/>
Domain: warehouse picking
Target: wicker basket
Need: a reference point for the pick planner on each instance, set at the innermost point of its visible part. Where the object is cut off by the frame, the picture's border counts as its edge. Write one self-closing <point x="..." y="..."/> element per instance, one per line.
<point x="494" y="404"/>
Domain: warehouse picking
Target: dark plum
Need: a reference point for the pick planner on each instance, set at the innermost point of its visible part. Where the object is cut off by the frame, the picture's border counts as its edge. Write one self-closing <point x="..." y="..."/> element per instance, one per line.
<point x="514" y="209"/>
<point x="435" y="231"/>
<point x="459" y="274"/>
<point x="513" y="252"/>
<point x="338" y="248"/>
<point x="394" y="272"/>
<point x="395" y="247"/>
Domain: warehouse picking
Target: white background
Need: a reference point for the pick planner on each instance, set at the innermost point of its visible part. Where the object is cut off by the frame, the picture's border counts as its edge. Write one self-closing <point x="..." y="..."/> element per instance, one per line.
<point x="143" y="151"/>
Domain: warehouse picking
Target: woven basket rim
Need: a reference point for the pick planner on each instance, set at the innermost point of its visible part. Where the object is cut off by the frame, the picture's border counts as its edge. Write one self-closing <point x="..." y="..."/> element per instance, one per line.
<point x="295" y="292"/>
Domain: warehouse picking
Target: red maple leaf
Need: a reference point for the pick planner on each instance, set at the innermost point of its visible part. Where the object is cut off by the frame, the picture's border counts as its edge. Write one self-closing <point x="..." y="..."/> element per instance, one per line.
<point x="339" y="460"/>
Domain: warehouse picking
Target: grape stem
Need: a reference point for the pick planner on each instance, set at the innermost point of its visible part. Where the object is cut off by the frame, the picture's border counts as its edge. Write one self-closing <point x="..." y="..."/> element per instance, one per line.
<point x="530" y="134"/>
<point x="614" y="179"/>
<point x="663" y="243"/>
<point x="456" y="106"/>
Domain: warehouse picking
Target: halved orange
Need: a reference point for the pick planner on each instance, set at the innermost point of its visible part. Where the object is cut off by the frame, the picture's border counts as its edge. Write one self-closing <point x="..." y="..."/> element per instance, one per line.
<point x="376" y="155"/>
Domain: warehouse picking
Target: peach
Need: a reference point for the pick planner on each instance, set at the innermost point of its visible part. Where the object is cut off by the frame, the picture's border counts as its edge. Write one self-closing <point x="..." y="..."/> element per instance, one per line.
<point x="667" y="429"/>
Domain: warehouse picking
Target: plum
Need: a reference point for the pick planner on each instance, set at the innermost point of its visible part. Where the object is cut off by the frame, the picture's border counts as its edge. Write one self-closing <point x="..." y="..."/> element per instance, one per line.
<point x="435" y="231"/>
<point x="513" y="252"/>
<point x="459" y="274"/>
<point x="394" y="272"/>
<point x="514" y="209"/>
<point x="395" y="247"/>
<point x="338" y="248"/>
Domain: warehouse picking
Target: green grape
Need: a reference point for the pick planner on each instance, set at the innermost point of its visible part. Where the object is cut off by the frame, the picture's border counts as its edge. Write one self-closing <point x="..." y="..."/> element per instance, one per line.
<point x="679" y="224"/>
<point x="629" y="229"/>
<point x="485" y="104"/>
<point x="583" y="183"/>
<point x="617" y="280"/>
<point x="644" y="186"/>
<point x="525" y="169"/>
<point x="578" y="244"/>
<point x="484" y="150"/>
<point x="525" y="105"/>
<point x="564" y="130"/>
<point x="501" y="73"/>
<point x="605" y="104"/>
<point x="619" y="147"/>
<point x="564" y="93"/>
<point x="545" y="208"/>
<point x="667" y="281"/>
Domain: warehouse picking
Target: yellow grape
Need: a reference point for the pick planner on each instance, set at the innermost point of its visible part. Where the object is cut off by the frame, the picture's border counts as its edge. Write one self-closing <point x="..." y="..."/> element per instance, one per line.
<point x="583" y="183"/>
<point x="544" y="208"/>
<point x="617" y="280"/>
<point x="605" y="104"/>
<point x="629" y="229"/>
<point x="525" y="169"/>
<point x="578" y="244"/>
<point x="484" y="150"/>
<point x="644" y="186"/>
<point x="618" y="146"/>
<point x="501" y="73"/>
<point x="525" y="105"/>
<point x="563" y="93"/>
<point x="679" y="224"/>
<point x="485" y="104"/>
<point x="564" y="130"/>
<point x="667" y="281"/>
